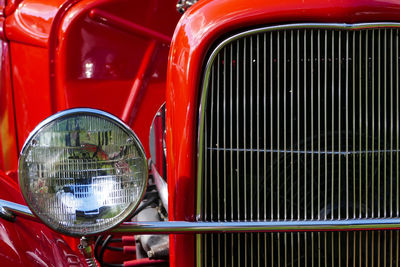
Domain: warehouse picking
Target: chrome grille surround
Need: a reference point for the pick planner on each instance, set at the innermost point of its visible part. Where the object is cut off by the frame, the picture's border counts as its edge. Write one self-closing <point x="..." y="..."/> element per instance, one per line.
<point x="316" y="152"/>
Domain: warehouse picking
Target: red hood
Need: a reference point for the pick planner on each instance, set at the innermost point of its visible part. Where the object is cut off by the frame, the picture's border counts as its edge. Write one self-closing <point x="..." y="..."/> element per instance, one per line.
<point x="209" y="19"/>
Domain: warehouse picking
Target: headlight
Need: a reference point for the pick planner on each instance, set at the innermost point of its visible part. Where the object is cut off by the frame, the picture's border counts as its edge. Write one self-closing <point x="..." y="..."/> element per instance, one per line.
<point x="82" y="171"/>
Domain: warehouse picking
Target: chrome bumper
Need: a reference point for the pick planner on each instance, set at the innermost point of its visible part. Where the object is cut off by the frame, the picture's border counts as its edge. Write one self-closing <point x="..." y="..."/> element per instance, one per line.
<point x="14" y="210"/>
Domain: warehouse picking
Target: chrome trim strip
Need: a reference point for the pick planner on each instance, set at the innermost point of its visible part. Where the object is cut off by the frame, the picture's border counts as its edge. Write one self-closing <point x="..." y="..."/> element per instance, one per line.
<point x="183" y="227"/>
<point x="8" y="208"/>
<point x="215" y="52"/>
<point x="161" y="185"/>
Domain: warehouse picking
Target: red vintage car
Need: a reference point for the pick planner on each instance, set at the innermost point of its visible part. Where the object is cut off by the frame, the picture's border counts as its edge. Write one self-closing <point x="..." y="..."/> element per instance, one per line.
<point x="277" y="145"/>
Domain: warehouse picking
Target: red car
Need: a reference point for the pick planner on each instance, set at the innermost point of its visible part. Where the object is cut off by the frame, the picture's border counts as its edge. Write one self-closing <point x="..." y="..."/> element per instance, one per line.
<point x="277" y="145"/>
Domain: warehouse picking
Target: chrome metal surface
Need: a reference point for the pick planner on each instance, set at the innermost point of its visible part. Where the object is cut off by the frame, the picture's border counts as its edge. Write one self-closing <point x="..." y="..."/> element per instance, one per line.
<point x="312" y="134"/>
<point x="6" y="215"/>
<point x="183" y="5"/>
<point x="181" y="227"/>
<point x="223" y="227"/>
<point x="17" y="210"/>
<point x="332" y="248"/>
<point x="157" y="131"/>
<point x="86" y="248"/>
<point x="162" y="186"/>
<point x="344" y="57"/>
<point x="78" y="111"/>
<point x="81" y="190"/>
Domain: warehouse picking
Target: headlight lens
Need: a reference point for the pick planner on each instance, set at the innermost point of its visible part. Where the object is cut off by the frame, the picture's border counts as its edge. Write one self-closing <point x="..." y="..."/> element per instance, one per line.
<point x="82" y="171"/>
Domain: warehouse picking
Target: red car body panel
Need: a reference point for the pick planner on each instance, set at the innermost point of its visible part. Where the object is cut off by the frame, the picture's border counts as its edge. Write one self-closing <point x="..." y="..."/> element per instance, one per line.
<point x="112" y="55"/>
<point x="129" y="68"/>
<point x="8" y="140"/>
<point x="197" y="30"/>
<point x="27" y="243"/>
<point x="61" y="54"/>
<point x="53" y="41"/>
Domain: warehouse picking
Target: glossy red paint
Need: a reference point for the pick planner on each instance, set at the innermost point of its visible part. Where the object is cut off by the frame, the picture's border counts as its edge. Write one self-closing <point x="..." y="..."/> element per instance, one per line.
<point x="30" y="21"/>
<point x="127" y="25"/>
<point x="27" y="27"/>
<point x="2" y="19"/>
<point x="8" y="141"/>
<point x="63" y="58"/>
<point x="30" y="77"/>
<point x="53" y="41"/>
<point x="112" y="70"/>
<point x="200" y="26"/>
<point x="27" y="243"/>
<point x="138" y="83"/>
<point x="11" y="6"/>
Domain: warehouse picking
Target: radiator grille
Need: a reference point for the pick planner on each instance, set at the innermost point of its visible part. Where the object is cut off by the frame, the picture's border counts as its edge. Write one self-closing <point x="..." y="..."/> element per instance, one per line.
<point x="301" y="123"/>
<point x="368" y="248"/>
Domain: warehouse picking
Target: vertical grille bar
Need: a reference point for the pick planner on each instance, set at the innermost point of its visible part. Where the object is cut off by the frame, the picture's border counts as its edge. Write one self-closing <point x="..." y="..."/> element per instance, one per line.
<point x="278" y="128"/>
<point x="244" y="145"/>
<point x="333" y="125"/>
<point x="298" y="128"/>
<point x="211" y="163"/>
<point x="231" y="103"/>
<point x="359" y="125"/>
<point x="305" y="124"/>
<point x="211" y="154"/>
<point x="237" y="131"/>
<point x="391" y="123"/>
<point x="258" y="128"/>
<point x="291" y="127"/>
<point x="265" y="139"/>
<point x="312" y="126"/>
<point x="326" y="123"/>
<point x="319" y="126"/>
<point x="373" y="124"/>
<point x="397" y="125"/>
<point x="347" y="125"/>
<point x="237" y="145"/>
<point x="272" y="125"/>
<point x="224" y="128"/>
<point x="366" y="128"/>
<point x="218" y="162"/>
<point x="385" y="126"/>
<point x="284" y="126"/>
<point x="265" y="125"/>
<point x="218" y="140"/>
<point x="379" y="124"/>
<point x="251" y="129"/>
<point x="340" y="125"/>
<point x="224" y="141"/>
<point x="244" y="131"/>
<point x="205" y="174"/>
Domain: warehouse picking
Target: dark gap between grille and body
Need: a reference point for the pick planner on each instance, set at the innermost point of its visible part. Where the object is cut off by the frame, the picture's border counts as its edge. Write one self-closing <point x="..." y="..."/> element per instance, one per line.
<point x="302" y="124"/>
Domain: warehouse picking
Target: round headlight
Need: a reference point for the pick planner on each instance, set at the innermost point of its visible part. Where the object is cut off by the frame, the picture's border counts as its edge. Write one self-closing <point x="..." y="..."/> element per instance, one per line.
<point x="82" y="171"/>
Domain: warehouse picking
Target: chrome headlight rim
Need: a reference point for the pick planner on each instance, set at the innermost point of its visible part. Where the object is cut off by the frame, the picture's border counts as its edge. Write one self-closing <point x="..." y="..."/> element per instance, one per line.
<point x="79" y="112"/>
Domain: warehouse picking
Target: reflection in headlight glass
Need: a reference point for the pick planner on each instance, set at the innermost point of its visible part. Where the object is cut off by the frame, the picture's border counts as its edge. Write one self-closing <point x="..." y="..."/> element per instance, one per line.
<point x="82" y="174"/>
